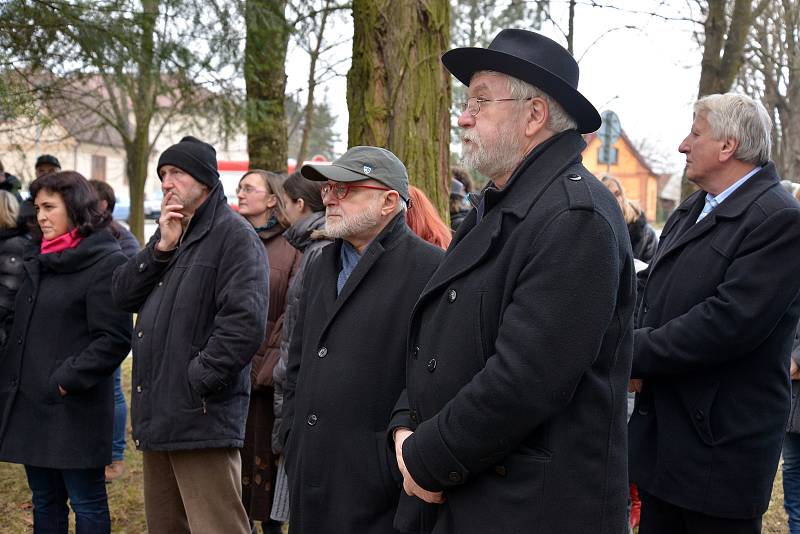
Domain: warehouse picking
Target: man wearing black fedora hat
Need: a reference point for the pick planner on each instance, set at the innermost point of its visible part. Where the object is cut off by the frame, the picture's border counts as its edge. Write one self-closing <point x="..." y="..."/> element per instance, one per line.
<point x="517" y="424"/>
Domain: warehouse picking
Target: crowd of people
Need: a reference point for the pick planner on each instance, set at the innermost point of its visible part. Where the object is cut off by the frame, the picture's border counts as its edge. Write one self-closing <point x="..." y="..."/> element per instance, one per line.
<point x="336" y="357"/>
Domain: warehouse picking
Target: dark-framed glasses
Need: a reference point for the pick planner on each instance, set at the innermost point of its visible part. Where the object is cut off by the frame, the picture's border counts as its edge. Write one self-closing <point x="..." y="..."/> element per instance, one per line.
<point x="341" y="189"/>
<point x="473" y="104"/>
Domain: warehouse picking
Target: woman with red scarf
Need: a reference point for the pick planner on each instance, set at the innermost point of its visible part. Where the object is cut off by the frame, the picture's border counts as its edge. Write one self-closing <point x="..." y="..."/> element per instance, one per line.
<point x="56" y="385"/>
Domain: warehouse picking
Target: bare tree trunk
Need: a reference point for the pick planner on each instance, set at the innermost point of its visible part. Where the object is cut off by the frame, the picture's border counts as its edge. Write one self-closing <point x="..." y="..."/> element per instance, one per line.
<point x="571" y="30"/>
<point x="308" y="122"/>
<point x="265" y="80"/>
<point x="398" y="92"/>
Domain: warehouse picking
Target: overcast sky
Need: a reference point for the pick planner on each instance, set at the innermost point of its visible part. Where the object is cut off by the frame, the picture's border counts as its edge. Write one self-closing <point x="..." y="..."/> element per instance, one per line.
<point x="647" y="74"/>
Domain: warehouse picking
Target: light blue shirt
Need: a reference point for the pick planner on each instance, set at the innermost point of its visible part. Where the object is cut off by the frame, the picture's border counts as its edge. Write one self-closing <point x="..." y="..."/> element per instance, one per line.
<point x="712" y="201"/>
<point x="350" y="258"/>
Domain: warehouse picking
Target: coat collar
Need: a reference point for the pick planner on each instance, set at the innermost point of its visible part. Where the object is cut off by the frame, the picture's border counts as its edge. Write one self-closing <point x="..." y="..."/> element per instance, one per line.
<point x="733" y="207"/>
<point x="203" y="218"/>
<point x="529" y="181"/>
<point x="386" y="240"/>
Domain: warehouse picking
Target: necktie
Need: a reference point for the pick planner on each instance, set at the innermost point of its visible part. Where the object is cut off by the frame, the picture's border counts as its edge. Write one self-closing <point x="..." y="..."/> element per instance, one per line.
<point x="711" y="203"/>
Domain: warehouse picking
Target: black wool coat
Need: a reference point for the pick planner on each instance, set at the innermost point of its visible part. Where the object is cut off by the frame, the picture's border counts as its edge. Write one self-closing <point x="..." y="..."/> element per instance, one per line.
<point x="715" y="326"/>
<point x="346" y="370"/>
<point x="66" y="332"/>
<point x="518" y="359"/>
<point x="202" y="312"/>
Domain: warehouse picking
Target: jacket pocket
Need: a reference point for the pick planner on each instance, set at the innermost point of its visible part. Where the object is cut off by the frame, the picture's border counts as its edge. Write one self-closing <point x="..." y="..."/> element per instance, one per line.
<point x="51" y="394"/>
<point x="194" y="399"/>
<point x="700" y="411"/>
<point x="384" y="465"/>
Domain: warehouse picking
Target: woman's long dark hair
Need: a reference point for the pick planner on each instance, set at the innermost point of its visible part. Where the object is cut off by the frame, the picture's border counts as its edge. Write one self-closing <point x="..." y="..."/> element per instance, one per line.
<point x="298" y="186"/>
<point x="83" y="206"/>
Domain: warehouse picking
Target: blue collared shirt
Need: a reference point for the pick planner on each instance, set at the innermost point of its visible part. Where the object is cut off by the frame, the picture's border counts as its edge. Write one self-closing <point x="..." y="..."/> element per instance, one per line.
<point x="350" y="258"/>
<point x="712" y="201"/>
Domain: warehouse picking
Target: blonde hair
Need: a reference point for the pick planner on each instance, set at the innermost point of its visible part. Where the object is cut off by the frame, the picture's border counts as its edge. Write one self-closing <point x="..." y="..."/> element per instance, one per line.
<point x="630" y="210"/>
<point x="9" y="210"/>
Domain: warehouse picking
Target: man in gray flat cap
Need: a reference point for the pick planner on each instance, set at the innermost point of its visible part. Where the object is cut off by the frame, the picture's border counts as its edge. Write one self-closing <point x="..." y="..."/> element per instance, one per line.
<point x="520" y="344"/>
<point x="347" y="353"/>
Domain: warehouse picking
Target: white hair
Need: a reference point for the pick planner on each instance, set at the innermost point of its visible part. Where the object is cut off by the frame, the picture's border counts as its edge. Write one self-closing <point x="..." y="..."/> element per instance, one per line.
<point x="735" y="116"/>
<point x="558" y="120"/>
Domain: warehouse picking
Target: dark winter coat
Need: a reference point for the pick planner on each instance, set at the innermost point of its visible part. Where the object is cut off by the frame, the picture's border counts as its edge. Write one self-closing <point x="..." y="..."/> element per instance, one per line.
<point x="794" y="414"/>
<point x="12" y="248"/>
<point x="202" y="311"/>
<point x="11" y="184"/>
<point x="519" y="357"/>
<point x="714" y="331"/>
<point x="346" y="371"/>
<point x="258" y="462"/>
<point x="644" y="240"/>
<point x="307" y="237"/>
<point x="127" y="241"/>
<point x="66" y="332"/>
<point x="456" y="218"/>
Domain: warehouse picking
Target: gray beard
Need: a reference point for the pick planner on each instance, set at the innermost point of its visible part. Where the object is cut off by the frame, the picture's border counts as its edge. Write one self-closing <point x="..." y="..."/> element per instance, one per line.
<point x="499" y="160"/>
<point x="355" y="224"/>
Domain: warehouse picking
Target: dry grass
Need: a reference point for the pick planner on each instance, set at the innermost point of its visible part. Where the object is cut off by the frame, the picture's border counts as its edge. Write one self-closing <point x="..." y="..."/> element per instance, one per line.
<point x="126" y="499"/>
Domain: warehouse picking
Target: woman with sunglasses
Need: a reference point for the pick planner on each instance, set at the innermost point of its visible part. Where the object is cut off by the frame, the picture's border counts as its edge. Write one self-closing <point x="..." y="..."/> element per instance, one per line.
<point x="67" y="338"/>
<point x="261" y="203"/>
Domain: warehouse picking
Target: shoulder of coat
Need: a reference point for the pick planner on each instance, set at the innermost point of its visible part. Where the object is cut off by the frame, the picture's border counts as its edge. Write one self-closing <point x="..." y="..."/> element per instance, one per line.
<point x="578" y="188"/>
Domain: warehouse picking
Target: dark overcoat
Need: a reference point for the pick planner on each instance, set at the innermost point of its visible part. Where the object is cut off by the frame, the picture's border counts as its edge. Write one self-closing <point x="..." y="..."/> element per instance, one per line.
<point x="66" y="332"/>
<point x="202" y="312"/>
<point x="519" y="354"/>
<point x="715" y="326"/>
<point x="346" y="370"/>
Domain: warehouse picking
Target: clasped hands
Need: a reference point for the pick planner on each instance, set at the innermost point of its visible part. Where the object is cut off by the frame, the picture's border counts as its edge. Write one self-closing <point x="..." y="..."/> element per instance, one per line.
<point x="409" y="485"/>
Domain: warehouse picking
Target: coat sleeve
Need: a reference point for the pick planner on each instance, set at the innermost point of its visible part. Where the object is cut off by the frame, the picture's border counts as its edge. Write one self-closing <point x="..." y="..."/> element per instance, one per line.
<point x="241" y="297"/>
<point x="549" y="335"/>
<point x="758" y="287"/>
<point x="135" y="279"/>
<point x="110" y="329"/>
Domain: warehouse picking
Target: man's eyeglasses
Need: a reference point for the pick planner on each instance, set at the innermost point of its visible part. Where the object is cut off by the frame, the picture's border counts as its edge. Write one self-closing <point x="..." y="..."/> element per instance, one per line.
<point x="340" y="189"/>
<point x="473" y="104"/>
<point x="248" y="190"/>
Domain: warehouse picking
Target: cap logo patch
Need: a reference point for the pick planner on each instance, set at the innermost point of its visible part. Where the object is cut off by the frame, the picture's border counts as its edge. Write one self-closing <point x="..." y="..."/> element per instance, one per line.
<point x="367" y="169"/>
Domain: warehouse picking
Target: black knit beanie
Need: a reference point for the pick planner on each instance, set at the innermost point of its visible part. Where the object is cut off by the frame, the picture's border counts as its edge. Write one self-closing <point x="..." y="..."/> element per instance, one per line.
<point x="192" y="155"/>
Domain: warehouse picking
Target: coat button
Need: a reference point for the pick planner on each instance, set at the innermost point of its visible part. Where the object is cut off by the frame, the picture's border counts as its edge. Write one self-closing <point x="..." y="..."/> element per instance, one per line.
<point x="699" y="415"/>
<point x="643" y="410"/>
<point x="138" y="389"/>
<point x="139" y="334"/>
<point x="454" y="476"/>
<point x="413" y="415"/>
<point x="452" y="296"/>
<point x="432" y="365"/>
<point x="500" y="470"/>
<point x="312" y="420"/>
<point x="574" y="177"/>
<point x="30" y="299"/>
<point x="161" y="283"/>
<point x="414" y="353"/>
<point x="19" y="341"/>
<point x="142" y="267"/>
<point x="136" y="441"/>
<point x="322" y="352"/>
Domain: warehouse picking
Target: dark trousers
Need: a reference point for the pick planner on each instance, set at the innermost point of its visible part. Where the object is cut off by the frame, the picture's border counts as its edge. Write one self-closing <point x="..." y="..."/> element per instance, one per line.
<point x="661" y="517"/>
<point x="86" y="491"/>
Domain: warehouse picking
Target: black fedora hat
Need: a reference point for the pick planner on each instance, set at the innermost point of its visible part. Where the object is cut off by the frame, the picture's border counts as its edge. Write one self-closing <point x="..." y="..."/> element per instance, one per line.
<point x="532" y="58"/>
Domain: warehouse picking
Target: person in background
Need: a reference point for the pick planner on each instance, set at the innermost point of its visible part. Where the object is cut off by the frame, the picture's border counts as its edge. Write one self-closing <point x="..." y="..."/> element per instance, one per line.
<point x="56" y="396"/>
<point x="459" y="207"/>
<point x="424" y="221"/>
<point x="200" y="288"/>
<point x="130" y="247"/>
<point x="346" y="365"/>
<point x="10" y="183"/>
<point x="305" y="213"/>
<point x="45" y="164"/>
<point x="260" y="196"/>
<point x="791" y="443"/>
<point x="644" y="240"/>
<point x="13" y="242"/>
<point x="462" y="176"/>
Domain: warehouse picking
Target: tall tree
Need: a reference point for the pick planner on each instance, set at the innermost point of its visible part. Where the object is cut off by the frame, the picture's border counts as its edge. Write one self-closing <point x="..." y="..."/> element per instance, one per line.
<point x="772" y="73"/>
<point x="398" y="93"/>
<point x="129" y="67"/>
<point x="724" y="37"/>
<point x="320" y="138"/>
<point x="265" y="79"/>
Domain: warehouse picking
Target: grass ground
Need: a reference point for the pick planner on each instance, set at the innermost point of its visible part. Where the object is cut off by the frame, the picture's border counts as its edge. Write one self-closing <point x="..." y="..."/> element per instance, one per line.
<point x="126" y="499"/>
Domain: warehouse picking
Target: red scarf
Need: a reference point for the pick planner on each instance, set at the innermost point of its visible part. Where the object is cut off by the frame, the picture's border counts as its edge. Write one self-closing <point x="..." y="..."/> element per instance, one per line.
<point x="61" y="243"/>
